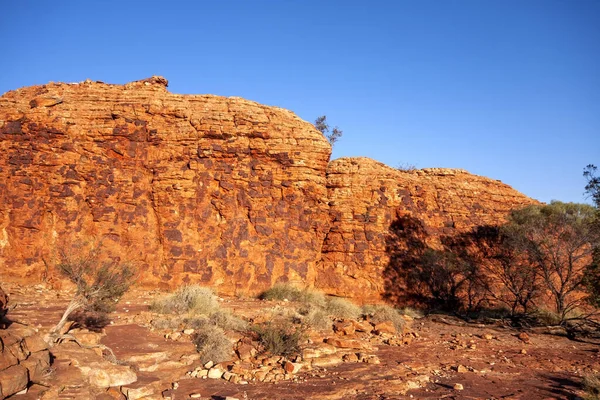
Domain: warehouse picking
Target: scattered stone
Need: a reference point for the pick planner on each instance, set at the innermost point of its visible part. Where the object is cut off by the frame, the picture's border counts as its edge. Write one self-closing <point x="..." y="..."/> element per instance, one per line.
<point x="487" y="336"/>
<point x="215" y="373"/>
<point x="344" y="327"/>
<point x="523" y="351"/>
<point x="189" y="331"/>
<point x="524" y="337"/>
<point x="458" y="386"/>
<point x="209" y="364"/>
<point x="385" y="327"/>
<point x="461" y="369"/>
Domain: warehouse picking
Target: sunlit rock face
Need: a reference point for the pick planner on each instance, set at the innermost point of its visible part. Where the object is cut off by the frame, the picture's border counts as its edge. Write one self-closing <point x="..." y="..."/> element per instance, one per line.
<point x="212" y="190"/>
<point x="221" y="191"/>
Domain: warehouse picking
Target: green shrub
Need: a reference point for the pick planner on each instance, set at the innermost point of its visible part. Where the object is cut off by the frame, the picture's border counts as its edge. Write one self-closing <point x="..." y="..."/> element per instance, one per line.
<point x="382" y="312"/>
<point x="338" y="307"/>
<point x="280" y="337"/>
<point x="212" y="344"/>
<point x="591" y="384"/>
<point x="192" y="299"/>
<point x="291" y="293"/>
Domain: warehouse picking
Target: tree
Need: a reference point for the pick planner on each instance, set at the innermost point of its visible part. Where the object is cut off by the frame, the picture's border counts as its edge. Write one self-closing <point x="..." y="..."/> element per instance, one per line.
<point x="558" y="241"/>
<point x="323" y="127"/>
<point x="99" y="282"/>
<point x="592" y="271"/>
<point x="511" y="280"/>
<point x="593" y="183"/>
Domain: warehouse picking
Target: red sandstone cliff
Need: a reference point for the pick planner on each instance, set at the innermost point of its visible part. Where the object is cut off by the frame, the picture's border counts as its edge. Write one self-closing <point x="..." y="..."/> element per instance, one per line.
<point x="221" y="191"/>
<point x="366" y="197"/>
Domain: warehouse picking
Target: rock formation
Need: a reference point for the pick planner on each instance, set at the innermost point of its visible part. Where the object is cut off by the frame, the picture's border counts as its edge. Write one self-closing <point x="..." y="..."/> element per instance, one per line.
<point x="223" y="191"/>
<point x="24" y="358"/>
<point x="220" y="191"/>
<point x="366" y="197"/>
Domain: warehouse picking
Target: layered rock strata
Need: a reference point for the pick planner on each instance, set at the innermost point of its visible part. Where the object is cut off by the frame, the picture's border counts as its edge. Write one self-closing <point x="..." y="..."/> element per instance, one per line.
<point x="366" y="197"/>
<point x="223" y="191"/>
<point x="219" y="191"/>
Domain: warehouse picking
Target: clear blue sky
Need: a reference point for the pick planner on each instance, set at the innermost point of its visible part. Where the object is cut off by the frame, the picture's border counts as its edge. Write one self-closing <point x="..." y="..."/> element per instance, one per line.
<point x="505" y="89"/>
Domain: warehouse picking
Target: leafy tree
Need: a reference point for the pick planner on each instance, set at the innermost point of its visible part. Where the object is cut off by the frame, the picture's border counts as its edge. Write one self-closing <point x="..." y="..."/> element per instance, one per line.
<point x="558" y="241"/>
<point x="592" y="272"/>
<point x="322" y="126"/>
<point x="593" y="183"/>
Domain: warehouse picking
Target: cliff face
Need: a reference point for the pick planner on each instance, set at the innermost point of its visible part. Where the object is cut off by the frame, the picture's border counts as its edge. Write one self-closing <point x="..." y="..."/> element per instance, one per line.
<point x="366" y="197"/>
<point x="223" y="191"/>
<point x="220" y="191"/>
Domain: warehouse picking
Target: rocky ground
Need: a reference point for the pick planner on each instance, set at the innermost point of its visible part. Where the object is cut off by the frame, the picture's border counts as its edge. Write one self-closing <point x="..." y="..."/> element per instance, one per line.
<point x="439" y="357"/>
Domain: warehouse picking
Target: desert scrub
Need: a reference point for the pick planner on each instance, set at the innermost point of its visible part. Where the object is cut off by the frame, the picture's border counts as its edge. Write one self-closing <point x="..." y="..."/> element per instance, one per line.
<point x="411" y="312"/>
<point x="338" y="307"/>
<point x="192" y="299"/>
<point x="291" y="293"/>
<point x="279" y="337"/>
<point x="381" y="312"/>
<point x="313" y="317"/>
<point x="591" y="384"/>
<point x="227" y="321"/>
<point x="212" y="344"/>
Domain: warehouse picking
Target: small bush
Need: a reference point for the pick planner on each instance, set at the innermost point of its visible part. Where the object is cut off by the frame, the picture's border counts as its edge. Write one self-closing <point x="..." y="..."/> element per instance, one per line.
<point x="381" y="312"/>
<point x="227" y="321"/>
<point x="212" y="344"/>
<point x="279" y="337"/>
<point x="546" y="317"/>
<point x="191" y="299"/>
<point x="338" y="307"/>
<point x="292" y="293"/>
<point x="591" y="384"/>
<point x="411" y="312"/>
<point x="314" y="317"/>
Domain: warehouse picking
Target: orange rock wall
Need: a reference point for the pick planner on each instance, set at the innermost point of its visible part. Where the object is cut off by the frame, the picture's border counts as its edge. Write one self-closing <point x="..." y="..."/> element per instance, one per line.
<point x="220" y="191"/>
<point x="366" y="197"/>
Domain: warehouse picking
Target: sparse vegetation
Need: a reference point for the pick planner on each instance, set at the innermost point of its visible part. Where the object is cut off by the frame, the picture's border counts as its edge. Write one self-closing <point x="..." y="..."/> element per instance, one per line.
<point x="406" y="167"/>
<point x="591" y="384"/>
<point x="191" y="299"/>
<point x="293" y="293"/>
<point x="332" y="135"/>
<point x="100" y="282"/>
<point x="382" y="312"/>
<point x="338" y="307"/>
<point x="212" y="343"/>
<point x="280" y="337"/>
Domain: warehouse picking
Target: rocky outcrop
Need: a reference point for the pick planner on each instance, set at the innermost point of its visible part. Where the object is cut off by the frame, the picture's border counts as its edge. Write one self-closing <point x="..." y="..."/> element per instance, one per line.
<point x="24" y="359"/>
<point x="220" y="191"/>
<point x="366" y="197"/>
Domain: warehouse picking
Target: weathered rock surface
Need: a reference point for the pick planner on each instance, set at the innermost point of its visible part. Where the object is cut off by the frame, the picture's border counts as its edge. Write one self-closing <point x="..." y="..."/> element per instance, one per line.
<point x="24" y="358"/>
<point x="221" y="191"/>
<point x="366" y="197"/>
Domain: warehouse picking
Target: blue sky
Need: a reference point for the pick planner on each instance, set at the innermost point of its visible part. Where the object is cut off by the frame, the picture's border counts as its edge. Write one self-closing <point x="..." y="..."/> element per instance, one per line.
<point x="505" y="89"/>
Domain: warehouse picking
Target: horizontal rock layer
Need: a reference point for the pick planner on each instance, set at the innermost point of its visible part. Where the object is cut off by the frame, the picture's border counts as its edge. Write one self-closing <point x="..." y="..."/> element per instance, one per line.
<point x="220" y="191"/>
<point x="367" y="197"/>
